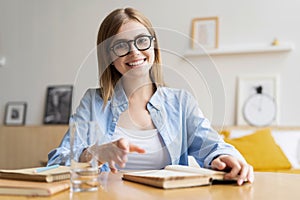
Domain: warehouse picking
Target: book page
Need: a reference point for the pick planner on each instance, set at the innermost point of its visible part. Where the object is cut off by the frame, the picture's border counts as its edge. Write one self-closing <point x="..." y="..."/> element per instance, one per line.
<point x="203" y="171"/>
<point x="165" y="173"/>
<point x="60" y="169"/>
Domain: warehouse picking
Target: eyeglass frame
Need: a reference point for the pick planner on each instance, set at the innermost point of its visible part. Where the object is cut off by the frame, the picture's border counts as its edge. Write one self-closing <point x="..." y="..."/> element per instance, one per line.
<point x="134" y="43"/>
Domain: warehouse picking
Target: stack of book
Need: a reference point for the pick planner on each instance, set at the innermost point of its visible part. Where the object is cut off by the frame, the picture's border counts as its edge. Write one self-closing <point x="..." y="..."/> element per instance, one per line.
<point x="44" y="181"/>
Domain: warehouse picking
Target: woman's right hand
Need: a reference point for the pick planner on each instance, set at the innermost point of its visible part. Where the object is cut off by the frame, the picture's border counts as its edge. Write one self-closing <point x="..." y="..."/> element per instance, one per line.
<point x="114" y="153"/>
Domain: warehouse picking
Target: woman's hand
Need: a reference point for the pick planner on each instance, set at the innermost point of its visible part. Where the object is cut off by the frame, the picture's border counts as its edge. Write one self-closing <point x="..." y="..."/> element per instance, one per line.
<point x="237" y="168"/>
<point x="114" y="153"/>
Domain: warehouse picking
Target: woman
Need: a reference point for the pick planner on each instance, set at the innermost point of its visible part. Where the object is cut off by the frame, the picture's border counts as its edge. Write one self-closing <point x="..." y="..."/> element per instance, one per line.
<point x="163" y="125"/>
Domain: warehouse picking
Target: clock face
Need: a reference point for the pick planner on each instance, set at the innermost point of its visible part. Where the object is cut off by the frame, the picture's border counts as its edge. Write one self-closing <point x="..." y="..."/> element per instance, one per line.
<point x="259" y="110"/>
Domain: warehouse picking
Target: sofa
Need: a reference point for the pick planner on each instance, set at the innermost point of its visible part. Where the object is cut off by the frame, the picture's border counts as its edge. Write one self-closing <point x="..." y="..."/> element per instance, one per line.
<point x="268" y="149"/>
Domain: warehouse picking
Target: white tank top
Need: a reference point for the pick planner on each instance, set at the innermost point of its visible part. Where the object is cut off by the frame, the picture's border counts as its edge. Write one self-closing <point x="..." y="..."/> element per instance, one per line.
<point x="156" y="156"/>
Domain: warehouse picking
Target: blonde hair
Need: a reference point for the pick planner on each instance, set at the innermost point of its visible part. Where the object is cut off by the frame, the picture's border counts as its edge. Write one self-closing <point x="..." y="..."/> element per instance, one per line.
<point x="110" y="26"/>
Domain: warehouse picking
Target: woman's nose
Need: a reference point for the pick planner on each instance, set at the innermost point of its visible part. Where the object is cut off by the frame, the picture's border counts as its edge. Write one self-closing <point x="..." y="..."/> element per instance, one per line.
<point x="133" y="48"/>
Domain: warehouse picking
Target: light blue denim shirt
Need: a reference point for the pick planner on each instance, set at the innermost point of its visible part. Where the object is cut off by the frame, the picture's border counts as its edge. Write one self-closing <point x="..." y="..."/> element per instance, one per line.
<point x="174" y="112"/>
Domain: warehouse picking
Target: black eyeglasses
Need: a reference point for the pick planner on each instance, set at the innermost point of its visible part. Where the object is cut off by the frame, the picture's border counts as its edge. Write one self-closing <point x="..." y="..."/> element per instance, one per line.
<point x="142" y="43"/>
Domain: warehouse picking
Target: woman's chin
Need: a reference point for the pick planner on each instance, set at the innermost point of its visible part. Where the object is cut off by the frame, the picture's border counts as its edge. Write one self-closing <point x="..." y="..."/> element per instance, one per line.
<point x="138" y="71"/>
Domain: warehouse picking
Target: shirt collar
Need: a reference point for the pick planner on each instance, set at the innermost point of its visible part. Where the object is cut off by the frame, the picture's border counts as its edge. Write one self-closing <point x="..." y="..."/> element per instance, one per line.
<point x="119" y="97"/>
<point x="156" y="99"/>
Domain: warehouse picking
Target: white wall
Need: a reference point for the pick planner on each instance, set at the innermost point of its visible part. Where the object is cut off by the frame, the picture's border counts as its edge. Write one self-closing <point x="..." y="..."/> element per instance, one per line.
<point x="45" y="42"/>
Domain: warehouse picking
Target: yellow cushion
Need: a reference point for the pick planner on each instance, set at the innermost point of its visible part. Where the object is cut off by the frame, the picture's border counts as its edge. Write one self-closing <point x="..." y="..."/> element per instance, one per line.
<point x="260" y="150"/>
<point x="225" y="133"/>
<point x="287" y="171"/>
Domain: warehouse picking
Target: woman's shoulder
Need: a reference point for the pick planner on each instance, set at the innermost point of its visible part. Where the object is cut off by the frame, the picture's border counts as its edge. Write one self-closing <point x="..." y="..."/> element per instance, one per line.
<point x="92" y="94"/>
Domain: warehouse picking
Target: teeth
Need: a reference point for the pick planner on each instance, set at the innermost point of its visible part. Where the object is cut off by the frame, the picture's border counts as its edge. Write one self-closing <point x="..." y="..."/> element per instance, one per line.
<point x="136" y="63"/>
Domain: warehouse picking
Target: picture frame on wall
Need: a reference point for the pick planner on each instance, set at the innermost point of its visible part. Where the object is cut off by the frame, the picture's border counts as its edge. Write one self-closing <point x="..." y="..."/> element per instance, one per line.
<point x="15" y="113"/>
<point x="58" y="104"/>
<point x="258" y="100"/>
<point x="205" y="31"/>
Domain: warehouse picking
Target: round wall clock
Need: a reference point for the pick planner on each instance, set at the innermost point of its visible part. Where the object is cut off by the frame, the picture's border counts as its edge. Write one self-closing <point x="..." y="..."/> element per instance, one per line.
<point x="259" y="109"/>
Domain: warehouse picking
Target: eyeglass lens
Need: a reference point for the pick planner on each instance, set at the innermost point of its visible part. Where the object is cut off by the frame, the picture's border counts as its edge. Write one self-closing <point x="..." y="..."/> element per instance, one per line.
<point x="123" y="48"/>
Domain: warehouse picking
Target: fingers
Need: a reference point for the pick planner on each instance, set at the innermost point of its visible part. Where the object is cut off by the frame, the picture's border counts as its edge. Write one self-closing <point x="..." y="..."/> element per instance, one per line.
<point x="239" y="169"/>
<point x="250" y="175"/>
<point x="121" y="159"/>
<point x="235" y="167"/>
<point x="120" y="150"/>
<point x="122" y="144"/>
<point x="246" y="174"/>
<point x="218" y="164"/>
<point x="134" y="148"/>
<point x="114" y="153"/>
<point x="112" y="167"/>
<point x="243" y="174"/>
<point x="123" y="148"/>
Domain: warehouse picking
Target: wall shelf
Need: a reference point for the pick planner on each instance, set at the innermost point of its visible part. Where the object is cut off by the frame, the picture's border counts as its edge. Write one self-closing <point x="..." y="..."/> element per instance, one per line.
<point x="241" y="50"/>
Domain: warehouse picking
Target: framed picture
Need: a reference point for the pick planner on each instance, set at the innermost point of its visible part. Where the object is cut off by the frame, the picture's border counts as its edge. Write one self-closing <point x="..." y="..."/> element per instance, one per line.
<point x="58" y="104"/>
<point x="258" y="100"/>
<point x="15" y="113"/>
<point x="205" y="31"/>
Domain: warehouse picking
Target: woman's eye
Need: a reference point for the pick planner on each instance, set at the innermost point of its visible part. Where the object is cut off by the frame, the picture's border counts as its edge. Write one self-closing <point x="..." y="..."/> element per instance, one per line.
<point x="142" y="40"/>
<point x="122" y="45"/>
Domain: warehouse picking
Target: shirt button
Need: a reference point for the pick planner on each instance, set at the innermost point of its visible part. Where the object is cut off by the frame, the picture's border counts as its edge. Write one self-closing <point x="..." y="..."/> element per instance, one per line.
<point x="114" y="119"/>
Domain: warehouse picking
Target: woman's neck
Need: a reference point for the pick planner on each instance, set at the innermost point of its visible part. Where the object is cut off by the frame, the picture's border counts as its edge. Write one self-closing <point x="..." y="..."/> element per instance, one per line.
<point x="138" y="88"/>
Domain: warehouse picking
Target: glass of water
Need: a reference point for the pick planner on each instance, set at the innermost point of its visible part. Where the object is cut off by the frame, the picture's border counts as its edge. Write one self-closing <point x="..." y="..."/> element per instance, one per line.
<point x="84" y="172"/>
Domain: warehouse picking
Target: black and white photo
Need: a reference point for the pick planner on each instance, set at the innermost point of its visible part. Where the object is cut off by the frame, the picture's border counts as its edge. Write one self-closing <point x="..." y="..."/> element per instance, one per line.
<point x="58" y="104"/>
<point x="15" y="113"/>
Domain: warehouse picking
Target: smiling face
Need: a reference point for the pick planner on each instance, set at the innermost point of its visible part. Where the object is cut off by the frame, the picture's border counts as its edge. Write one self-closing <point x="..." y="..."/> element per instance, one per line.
<point x="118" y="21"/>
<point x="136" y="61"/>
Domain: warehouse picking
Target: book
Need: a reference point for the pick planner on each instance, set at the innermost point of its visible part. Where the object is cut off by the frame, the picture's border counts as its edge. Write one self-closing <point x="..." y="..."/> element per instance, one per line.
<point x="31" y="188"/>
<point x="37" y="174"/>
<point x="176" y="176"/>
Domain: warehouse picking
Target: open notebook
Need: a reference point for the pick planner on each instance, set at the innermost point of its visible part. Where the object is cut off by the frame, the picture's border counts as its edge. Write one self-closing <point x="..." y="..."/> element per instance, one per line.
<point x="176" y="176"/>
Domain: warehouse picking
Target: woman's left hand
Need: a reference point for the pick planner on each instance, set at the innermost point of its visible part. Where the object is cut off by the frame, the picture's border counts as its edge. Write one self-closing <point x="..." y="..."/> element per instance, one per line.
<point x="237" y="168"/>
